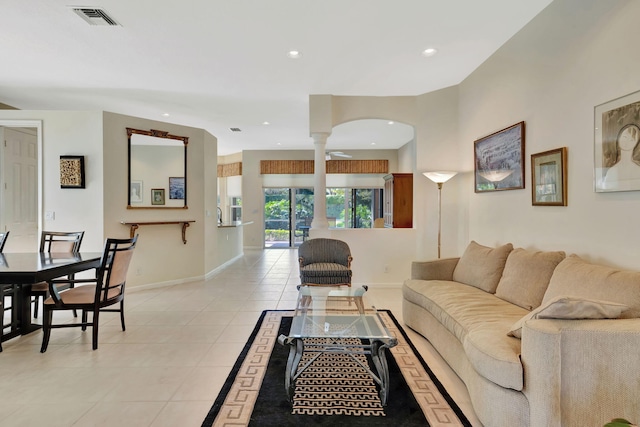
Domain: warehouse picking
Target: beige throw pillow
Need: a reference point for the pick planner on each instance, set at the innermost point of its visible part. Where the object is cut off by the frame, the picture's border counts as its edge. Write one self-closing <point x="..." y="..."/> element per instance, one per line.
<point x="564" y="307"/>
<point x="482" y="266"/>
<point x="526" y="276"/>
<point x="577" y="278"/>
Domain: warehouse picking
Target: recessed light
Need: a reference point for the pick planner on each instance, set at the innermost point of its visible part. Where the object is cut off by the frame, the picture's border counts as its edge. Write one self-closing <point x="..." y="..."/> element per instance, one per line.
<point x="390" y="122"/>
<point x="294" y="54"/>
<point x="429" y="52"/>
<point x="166" y="114"/>
<point x="266" y="123"/>
<point x="278" y="143"/>
<point x="373" y="143"/>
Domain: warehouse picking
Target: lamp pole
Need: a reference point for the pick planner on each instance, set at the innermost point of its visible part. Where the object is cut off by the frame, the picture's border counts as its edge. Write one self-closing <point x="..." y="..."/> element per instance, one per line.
<point x="439" y="215"/>
<point x="440" y="177"/>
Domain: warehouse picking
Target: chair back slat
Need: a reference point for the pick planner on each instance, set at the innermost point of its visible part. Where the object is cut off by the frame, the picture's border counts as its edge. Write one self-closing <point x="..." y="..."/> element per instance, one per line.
<point x="112" y="273"/>
<point x="3" y="240"/>
<point x="61" y="242"/>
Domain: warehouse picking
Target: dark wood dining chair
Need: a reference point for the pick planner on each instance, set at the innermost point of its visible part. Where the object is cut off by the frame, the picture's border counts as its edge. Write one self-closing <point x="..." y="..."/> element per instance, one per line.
<point x="107" y="289"/>
<point x="3" y="240"/>
<point x="55" y="241"/>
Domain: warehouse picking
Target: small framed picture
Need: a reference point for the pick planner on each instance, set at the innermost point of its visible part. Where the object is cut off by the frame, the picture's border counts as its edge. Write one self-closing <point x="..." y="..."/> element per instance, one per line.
<point x="136" y="192"/>
<point x="176" y="188"/>
<point x="549" y="178"/>
<point x="72" y="172"/>
<point x="157" y="196"/>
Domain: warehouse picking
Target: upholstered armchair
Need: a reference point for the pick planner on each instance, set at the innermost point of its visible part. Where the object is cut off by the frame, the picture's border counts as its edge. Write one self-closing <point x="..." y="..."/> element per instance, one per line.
<point x="325" y="262"/>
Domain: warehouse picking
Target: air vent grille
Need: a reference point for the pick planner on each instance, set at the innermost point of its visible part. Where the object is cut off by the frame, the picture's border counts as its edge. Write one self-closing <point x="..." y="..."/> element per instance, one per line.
<point x="95" y="16"/>
<point x="235" y="129"/>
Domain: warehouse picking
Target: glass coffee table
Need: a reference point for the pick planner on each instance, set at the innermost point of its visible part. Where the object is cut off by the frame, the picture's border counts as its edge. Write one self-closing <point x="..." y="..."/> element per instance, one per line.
<point x="326" y="320"/>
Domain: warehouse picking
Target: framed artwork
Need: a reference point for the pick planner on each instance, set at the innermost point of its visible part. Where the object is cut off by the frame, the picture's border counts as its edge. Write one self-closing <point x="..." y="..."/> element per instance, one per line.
<point x="136" y="192"/>
<point x="176" y="188"/>
<point x="72" y="172"/>
<point x="157" y="196"/>
<point x="499" y="160"/>
<point x="617" y="144"/>
<point x="549" y="178"/>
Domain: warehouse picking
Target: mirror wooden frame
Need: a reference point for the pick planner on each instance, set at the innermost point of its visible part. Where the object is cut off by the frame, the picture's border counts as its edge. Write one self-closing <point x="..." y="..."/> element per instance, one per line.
<point x="157" y="134"/>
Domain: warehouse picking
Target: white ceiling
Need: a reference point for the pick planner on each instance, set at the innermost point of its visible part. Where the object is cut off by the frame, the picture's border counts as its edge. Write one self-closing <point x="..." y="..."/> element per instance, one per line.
<point x="217" y="64"/>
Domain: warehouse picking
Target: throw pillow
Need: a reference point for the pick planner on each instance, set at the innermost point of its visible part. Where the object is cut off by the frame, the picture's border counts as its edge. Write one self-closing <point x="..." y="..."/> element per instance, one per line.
<point x="564" y="307"/>
<point x="526" y="276"/>
<point x="577" y="278"/>
<point x="482" y="266"/>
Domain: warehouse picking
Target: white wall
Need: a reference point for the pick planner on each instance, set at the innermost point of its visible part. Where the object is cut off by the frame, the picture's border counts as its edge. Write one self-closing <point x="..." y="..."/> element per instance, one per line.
<point x="70" y="133"/>
<point x="574" y="55"/>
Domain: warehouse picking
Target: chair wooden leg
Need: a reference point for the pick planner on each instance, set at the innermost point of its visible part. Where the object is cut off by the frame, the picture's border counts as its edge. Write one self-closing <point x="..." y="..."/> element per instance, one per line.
<point x="84" y="320"/>
<point x="122" y="315"/>
<point x="95" y="329"/>
<point x="46" y="328"/>
<point x="35" y="306"/>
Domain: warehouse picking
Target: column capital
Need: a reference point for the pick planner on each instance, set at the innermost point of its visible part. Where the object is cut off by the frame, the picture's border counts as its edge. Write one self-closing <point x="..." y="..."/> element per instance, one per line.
<point x="320" y="137"/>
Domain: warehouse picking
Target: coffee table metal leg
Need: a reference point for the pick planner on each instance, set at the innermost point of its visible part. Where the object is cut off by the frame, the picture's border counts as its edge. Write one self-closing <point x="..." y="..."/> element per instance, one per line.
<point x="296" y="348"/>
<point x="380" y="361"/>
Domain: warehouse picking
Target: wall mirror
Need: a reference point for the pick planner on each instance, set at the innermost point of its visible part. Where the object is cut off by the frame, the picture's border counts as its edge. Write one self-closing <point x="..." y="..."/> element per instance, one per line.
<point x="157" y="170"/>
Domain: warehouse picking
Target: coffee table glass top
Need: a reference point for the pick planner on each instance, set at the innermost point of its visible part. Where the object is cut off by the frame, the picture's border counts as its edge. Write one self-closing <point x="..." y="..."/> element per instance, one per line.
<point x="336" y="312"/>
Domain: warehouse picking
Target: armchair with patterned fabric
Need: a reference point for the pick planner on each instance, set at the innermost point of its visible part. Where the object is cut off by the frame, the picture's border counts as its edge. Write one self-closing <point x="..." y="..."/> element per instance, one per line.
<point x="325" y="262"/>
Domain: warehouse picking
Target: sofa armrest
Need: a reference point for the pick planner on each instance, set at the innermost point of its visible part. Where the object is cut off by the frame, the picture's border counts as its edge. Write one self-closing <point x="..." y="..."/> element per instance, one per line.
<point x="439" y="269"/>
<point x="581" y="372"/>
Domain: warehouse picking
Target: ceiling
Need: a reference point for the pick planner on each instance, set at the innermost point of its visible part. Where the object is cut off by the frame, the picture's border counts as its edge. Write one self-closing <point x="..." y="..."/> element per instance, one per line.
<point x="217" y="64"/>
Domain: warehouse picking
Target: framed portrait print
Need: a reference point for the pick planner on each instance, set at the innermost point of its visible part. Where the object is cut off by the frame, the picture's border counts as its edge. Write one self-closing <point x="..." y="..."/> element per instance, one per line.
<point x="176" y="188"/>
<point x="136" y="191"/>
<point x="499" y="160"/>
<point x="549" y="178"/>
<point x="617" y="144"/>
<point x="72" y="172"/>
<point x="157" y="196"/>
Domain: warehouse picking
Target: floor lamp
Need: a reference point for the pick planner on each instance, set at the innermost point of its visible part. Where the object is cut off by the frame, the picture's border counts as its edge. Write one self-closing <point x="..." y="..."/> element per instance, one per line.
<point x="440" y="177"/>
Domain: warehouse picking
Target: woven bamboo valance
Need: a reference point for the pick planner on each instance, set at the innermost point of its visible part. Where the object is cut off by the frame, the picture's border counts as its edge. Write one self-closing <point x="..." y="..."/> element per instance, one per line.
<point x="294" y="167"/>
<point x="232" y="169"/>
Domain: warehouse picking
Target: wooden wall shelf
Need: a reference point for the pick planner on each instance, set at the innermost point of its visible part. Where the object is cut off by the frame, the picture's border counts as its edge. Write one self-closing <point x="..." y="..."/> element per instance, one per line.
<point x="135" y="224"/>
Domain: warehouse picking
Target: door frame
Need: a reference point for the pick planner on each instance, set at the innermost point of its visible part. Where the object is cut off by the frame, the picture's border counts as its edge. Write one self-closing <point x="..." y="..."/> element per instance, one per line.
<point x="37" y="124"/>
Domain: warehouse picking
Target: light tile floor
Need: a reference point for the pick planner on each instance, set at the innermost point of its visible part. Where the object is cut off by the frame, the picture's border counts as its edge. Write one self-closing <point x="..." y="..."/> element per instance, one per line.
<point x="169" y="365"/>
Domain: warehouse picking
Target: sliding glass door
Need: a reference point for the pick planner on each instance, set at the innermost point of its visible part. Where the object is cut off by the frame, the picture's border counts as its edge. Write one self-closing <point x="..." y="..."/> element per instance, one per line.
<point x="287" y="216"/>
<point x="288" y="212"/>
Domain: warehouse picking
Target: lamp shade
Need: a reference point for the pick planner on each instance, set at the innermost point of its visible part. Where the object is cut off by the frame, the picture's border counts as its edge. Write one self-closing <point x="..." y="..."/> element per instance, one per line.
<point x="440" y="176"/>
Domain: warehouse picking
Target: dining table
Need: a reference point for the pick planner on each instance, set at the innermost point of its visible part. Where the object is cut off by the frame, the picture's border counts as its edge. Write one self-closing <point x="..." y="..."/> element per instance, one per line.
<point x="18" y="271"/>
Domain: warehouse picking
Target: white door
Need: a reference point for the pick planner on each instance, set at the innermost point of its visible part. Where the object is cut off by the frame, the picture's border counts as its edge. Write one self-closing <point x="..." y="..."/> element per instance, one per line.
<point x="20" y="189"/>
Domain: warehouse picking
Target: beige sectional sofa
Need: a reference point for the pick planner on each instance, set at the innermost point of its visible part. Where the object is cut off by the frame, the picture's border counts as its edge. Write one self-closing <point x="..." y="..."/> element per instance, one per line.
<point x="538" y="338"/>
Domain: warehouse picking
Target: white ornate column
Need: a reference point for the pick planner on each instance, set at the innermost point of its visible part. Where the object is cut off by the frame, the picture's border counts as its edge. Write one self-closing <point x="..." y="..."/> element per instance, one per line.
<point x="320" y="182"/>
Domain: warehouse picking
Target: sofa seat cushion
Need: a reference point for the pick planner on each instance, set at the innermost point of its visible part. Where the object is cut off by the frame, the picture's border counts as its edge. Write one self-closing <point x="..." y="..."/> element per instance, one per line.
<point x="480" y="321"/>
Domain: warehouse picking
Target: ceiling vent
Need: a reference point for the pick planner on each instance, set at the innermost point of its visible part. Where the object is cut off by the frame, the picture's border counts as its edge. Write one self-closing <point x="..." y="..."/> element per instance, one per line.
<point x="95" y="16"/>
<point x="235" y="129"/>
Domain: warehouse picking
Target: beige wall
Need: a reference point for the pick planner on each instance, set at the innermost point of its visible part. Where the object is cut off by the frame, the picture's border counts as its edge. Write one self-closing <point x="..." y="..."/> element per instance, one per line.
<point x="575" y="55"/>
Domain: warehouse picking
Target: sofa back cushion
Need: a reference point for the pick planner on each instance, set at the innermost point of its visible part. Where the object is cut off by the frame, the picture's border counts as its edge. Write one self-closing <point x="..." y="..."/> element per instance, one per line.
<point x="526" y="277"/>
<point x="574" y="277"/>
<point x="481" y="266"/>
